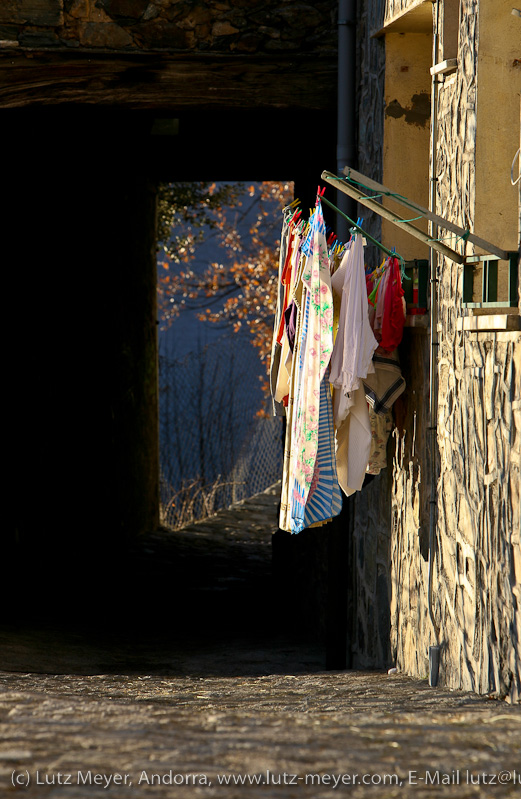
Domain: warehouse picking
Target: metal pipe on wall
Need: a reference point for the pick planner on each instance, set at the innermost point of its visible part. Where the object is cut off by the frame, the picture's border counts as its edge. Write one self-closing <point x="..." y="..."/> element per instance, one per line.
<point x="338" y="644"/>
<point x="346" y="107"/>
<point x="434" y="651"/>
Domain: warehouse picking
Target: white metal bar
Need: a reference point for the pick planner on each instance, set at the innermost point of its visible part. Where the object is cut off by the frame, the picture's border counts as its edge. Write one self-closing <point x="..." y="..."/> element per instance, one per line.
<point x="438" y="220"/>
<point x="339" y="183"/>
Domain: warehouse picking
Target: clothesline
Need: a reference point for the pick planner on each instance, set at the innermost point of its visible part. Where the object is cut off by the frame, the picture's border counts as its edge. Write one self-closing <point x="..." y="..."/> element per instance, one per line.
<point x="303" y="228"/>
<point x="296" y="213"/>
<point x="367" y="184"/>
<point x="364" y="233"/>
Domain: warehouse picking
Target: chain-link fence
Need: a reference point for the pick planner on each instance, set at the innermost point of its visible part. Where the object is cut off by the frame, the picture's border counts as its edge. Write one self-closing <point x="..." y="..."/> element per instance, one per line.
<point x="214" y="447"/>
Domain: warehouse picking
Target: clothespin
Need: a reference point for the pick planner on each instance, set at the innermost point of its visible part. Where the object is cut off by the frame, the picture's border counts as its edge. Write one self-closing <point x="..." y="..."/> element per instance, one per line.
<point x="379" y="269"/>
<point x="295" y="202"/>
<point x="295" y="216"/>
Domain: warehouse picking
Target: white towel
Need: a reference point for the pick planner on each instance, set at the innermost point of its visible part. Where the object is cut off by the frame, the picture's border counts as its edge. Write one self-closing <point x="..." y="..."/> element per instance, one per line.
<point x="351" y="360"/>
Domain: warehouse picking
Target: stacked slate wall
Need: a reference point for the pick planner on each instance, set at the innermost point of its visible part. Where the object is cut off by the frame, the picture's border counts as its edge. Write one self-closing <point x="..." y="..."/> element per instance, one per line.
<point x="477" y="564"/>
<point x="174" y="25"/>
<point x="475" y="612"/>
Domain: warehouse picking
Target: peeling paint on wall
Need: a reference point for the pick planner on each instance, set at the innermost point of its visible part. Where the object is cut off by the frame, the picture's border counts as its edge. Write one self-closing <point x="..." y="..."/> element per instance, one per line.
<point x="417" y="114"/>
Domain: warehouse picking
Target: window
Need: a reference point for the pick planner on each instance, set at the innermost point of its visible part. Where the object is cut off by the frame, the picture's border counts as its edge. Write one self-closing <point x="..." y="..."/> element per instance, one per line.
<point x="448" y="29"/>
<point x="449" y="32"/>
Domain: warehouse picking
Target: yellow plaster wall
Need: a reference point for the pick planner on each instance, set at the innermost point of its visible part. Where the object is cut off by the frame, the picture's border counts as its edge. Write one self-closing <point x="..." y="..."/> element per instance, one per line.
<point x="407" y="133"/>
<point x="497" y="124"/>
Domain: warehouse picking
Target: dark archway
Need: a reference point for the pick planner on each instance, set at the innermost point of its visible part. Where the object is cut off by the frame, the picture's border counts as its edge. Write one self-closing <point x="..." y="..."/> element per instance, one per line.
<point x="78" y="254"/>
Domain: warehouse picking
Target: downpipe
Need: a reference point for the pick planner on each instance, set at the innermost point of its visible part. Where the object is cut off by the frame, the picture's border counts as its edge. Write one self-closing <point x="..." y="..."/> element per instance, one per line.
<point x="346" y="107"/>
<point x="434" y="651"/>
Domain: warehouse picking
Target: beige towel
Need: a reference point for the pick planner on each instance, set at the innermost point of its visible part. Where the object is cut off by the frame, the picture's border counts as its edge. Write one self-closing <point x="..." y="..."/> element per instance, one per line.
<point x="353" y="444"/>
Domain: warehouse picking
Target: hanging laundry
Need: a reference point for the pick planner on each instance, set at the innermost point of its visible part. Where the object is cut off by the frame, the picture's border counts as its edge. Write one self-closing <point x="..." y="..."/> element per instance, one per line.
<point x="351" y="361"/>
<point x="385" y="384"/>
<point x="353" y="445"/>
<point x="317" y="338"/>
<point x="324" y="498"/>
<point x="395" y="309"/>
<point x="290" y="320"/>
<point x="377" y="298"/>
<point x="276" y="348"/>
<point x="381" y="426"/>
<point x="387" y="305"/>
<point x="310" y="493"/>
<point x="286" y="334"/>
<point x="355" y="342"/>
<point x="335" y="371"/>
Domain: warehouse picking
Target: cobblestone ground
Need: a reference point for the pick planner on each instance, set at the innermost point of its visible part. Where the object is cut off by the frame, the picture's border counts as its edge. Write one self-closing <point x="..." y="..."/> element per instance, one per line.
<point x="166" y="710"/>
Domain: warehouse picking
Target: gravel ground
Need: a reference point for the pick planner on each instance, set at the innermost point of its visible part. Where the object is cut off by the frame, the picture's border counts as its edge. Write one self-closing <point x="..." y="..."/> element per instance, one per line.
<point x="199" y="709"/>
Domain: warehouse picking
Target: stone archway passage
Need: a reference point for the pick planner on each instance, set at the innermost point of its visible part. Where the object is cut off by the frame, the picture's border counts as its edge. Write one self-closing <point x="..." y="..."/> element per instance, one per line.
<point x="79" y="255"/>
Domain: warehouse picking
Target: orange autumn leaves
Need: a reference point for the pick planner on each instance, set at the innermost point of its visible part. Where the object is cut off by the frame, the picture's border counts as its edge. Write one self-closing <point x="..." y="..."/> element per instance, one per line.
<point x="240" y="288"/>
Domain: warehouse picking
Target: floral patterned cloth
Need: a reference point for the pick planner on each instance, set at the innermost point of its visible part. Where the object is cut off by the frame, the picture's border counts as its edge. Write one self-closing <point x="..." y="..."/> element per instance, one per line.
<point x="315" y="353"/>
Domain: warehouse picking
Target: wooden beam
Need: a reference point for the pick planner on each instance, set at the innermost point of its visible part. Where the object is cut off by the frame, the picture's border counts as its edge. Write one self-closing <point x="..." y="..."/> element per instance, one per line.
<point x="165" y="81"/>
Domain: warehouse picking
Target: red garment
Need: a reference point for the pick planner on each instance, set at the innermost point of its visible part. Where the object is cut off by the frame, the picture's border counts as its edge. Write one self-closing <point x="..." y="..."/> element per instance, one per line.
<point x="394" y="309"/>
<point x="285" y="279"/>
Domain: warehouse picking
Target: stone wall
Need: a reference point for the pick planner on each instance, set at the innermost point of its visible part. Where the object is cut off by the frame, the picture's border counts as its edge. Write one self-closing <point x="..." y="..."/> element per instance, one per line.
<point x="413" y="631"/>
<point x="370" y="101"/>
<point x="235" y="26"/>
<point x="169" y="54"/>
<point x="479" y="556"/>
<point x="369" y="574"/>
<point x="410" y="505"/>
<point x="477" y="564"/>
<point x="475" y="612"/>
